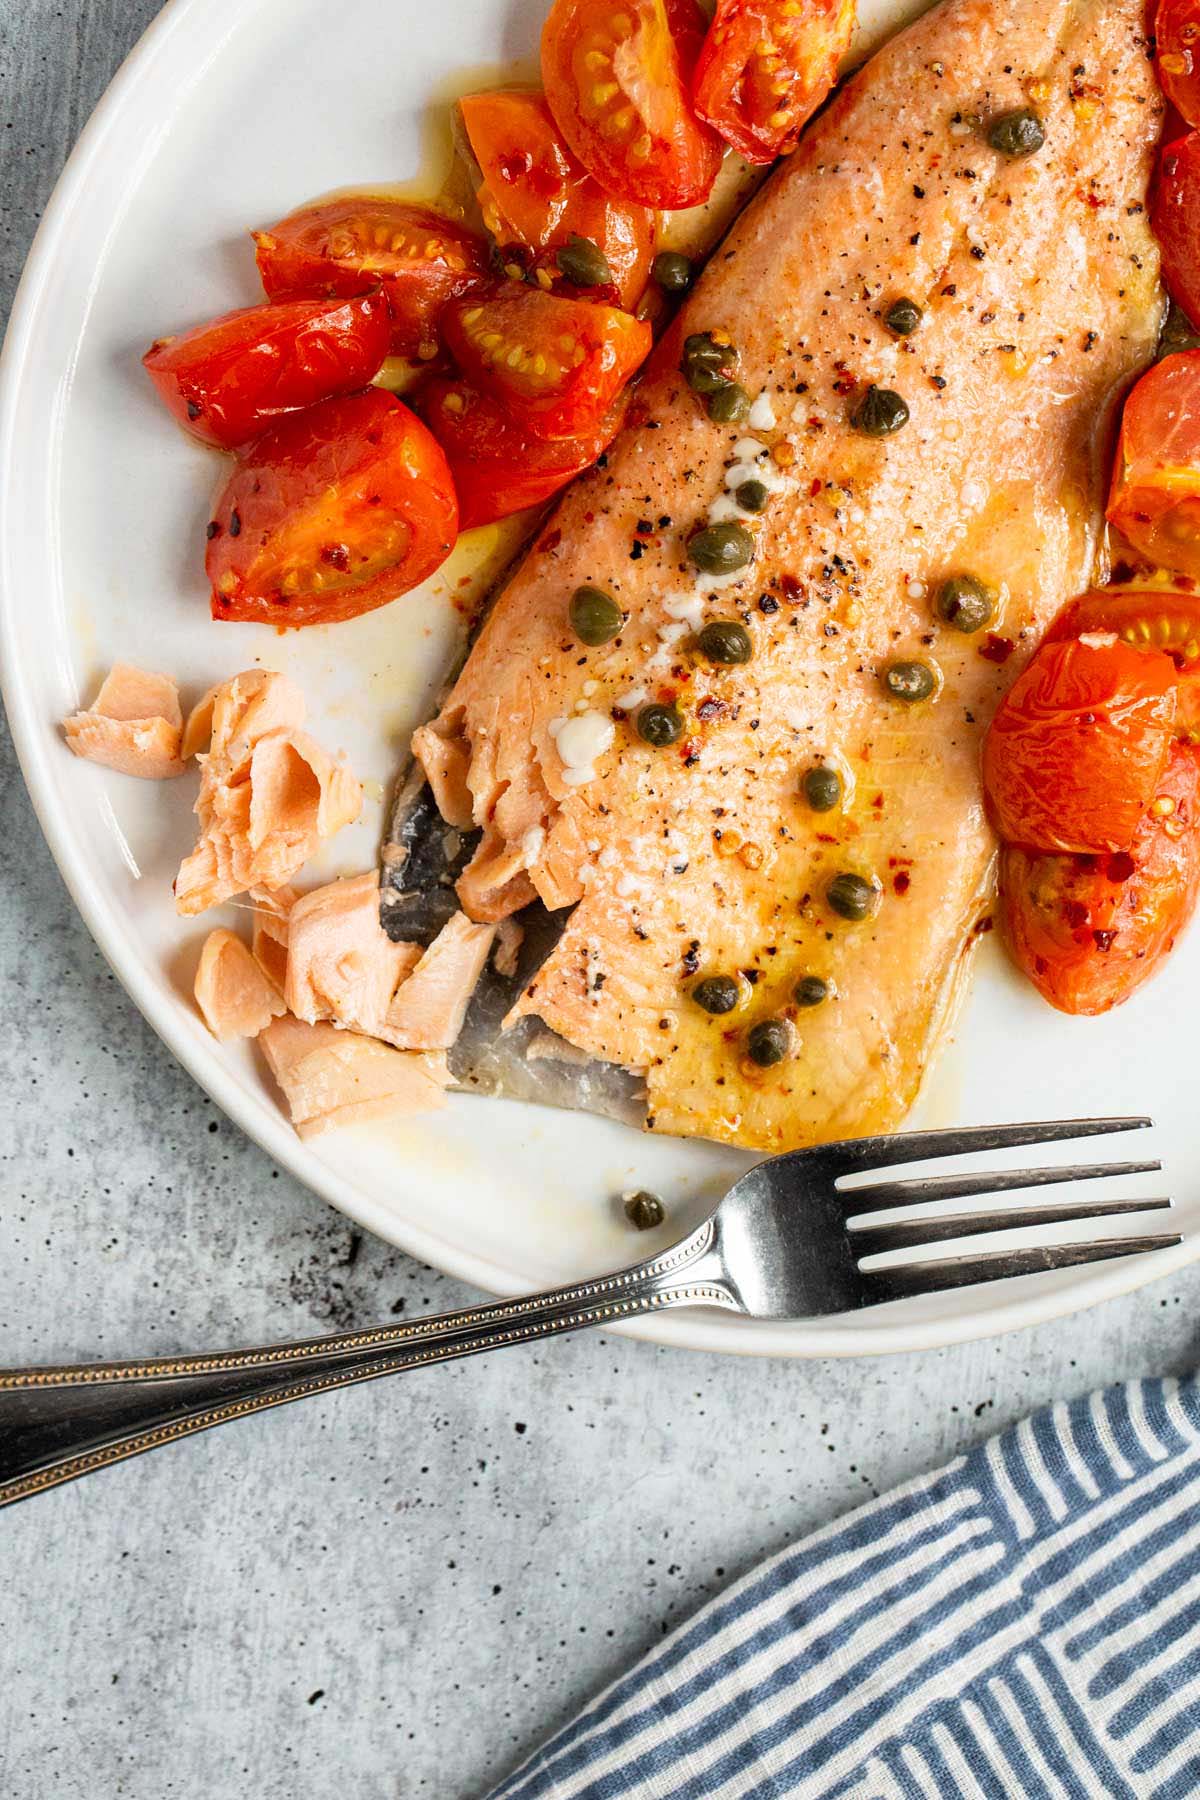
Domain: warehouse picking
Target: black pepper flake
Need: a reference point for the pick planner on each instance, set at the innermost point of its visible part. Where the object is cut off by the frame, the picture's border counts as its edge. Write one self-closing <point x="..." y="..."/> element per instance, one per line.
<point x="1089" y="339"/>
<point x="212" y="529"/>
<point x="938" y="381"/>
<point x="664" y="520"/>
<point x="598" y="982"/>
<point x="644" y="527"/>
<point x="637" y="552"/>
<point x="691" y="957"/>
<point x="193" y="411"/>
<point x="918" y="192"/>
<point x="235" y="523"/>
<point x="768" y="604"/>
<point x="915" y="238"/>
<point x="950" y="290"/>
<point x="978" y="252"/>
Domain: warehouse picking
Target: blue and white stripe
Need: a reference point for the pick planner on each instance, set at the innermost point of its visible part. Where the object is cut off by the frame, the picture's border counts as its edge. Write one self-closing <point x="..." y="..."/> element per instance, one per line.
<point x="1024" y="1623"/>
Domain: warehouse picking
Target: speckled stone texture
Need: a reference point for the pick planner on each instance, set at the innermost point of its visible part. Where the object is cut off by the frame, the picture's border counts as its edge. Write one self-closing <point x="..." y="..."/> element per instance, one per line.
<point x="397" y="1590"/>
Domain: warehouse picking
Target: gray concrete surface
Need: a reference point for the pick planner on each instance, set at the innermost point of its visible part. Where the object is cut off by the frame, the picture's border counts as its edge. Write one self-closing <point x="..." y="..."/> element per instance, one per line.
<point x="398" y="1590"/>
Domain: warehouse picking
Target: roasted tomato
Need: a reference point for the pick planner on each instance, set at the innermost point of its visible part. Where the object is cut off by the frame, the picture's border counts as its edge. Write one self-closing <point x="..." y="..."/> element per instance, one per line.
<point x="1175" y="220"/>
<point x="766" y="66"/>
<point x="557" y="364"/>
<point x="1155" y="495"/>
<point x="420" y="258"/>
<point x="1089" y="930"/>
<point x="335" y="510"/>
<point x="499" y="469"/>
<point x="1177" y="34"/>
<point x="536" y="194"/>
<point x="618" y="79"/>
<point x="226" y="381"/>
<point x="1077" y="747"/>
<point x="1149" y="619"/>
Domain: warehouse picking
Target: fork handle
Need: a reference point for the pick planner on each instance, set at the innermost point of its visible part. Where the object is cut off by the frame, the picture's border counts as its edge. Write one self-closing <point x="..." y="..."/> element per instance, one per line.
<point x="60" y="1422"/>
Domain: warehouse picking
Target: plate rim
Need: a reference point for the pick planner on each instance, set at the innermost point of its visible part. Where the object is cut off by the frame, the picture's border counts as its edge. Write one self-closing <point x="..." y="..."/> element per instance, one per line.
<point x="1033" y="1303"/>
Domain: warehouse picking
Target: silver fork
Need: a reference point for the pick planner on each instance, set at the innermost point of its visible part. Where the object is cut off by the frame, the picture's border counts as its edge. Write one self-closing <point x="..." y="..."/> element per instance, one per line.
<point x="781" y="1244"/>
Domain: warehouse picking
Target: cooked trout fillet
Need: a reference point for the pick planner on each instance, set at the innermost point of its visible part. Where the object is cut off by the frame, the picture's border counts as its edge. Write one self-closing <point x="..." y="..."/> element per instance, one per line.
<point x="1038" y="281"/>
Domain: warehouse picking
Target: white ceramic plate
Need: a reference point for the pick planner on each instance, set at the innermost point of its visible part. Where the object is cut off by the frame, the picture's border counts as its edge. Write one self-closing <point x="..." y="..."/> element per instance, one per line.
<point x="229" y="113"/>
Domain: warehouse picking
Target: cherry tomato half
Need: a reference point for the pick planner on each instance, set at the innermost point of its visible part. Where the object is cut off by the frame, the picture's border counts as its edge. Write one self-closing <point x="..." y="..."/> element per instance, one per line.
<point x="335" y="510"/>
<point x="1175" y="220"/>
<point x="618" y="78"/>
<point x="766" y="66"/>
<point x="1089" y="930"/>
<point x="1078" y="745"/>
<point x="536" y="194"/>
<point x="557" y="364"/>
<point x="1155" y="495"/>
<point x="1177" y="34"/>
<point x="420" y="258"/>
<point x="227" y="380"/>
<point x="1149" y="619"/>
<point x="499" y="469"/>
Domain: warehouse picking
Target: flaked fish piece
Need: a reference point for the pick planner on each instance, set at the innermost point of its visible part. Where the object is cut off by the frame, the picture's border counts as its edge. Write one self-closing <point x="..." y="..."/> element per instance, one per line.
<point x="197" y="730"/>
<point x="269" y="794"/>
<point x="269" y="932"/>
<point x="431" y="1003"/>
<point x="232" y="992"/>
<point x="341" y="964"/>
<point x="134" y="725"/>
<point x="332" y="1078"/>
<point x="1037" y="279"/>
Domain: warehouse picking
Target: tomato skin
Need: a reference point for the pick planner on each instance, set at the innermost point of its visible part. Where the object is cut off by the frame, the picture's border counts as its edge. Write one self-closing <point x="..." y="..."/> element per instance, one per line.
<point x="343" y="246"/>
<point x="226" y="381"/>
<point x="497" y="467"/>
<point x="629" y="119"/>
<point x="1177" y="63"/>
<point x="1077" y="746"/>
<point x="737" y="81"/>
<point x="1154" y="499"/>
<point x="1089" y="930"/>
<point x="335" y="510"/>
<point x="1149" y="619"/>
<point x="1175" y="219"/>
<point x="569" y="397"/>
<point x="536" y="194"/>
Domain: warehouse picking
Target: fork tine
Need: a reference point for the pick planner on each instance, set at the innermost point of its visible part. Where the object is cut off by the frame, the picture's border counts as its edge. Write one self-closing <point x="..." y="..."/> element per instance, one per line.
<point x="879" y="1195"/>
<point x="921" y="1146"/>
<point x="908" y="1234"/>
<point x="965" y="1271"/>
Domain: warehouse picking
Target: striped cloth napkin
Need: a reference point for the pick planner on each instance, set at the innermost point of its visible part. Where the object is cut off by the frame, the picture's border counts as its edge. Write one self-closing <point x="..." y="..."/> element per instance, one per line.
<point x="1025" y="1623"/>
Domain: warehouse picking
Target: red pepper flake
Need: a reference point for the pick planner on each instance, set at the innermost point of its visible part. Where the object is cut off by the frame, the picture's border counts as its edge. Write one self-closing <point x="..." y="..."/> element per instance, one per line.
<point x="996" y="649"/>
<point x="790" y="586"/>
<point x="689" y="752"/>
<point x="825" y="837"/>
<point x="1104" y="939"/>
<point x="901" y="882"/>
<point x="551" y="541"/>
<point x="1120" y="866"/>
<point x="878" y="801"/>
<point x="815" y="486"/>
<point x="1076" y="914"/>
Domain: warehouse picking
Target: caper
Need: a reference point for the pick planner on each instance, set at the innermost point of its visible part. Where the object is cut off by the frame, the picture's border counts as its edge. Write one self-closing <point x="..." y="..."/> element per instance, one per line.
<point x="1017" y="133"/>
<point x="725" y="641"/>
<point x="810" y="990"/>
<point x="822" y="788"/>
<point x="719" y="549"/>
<point x="716" y="993"/>
<point x="595" y="616"/>
<point x="752" y="496"/>
<point x="769" y="1042"/>
<point x="706" y="364"/>
<point x="672" y="272"/>
<point x="903" y="317"/>
<point x="965" y="602"/>
<point x="852" y="896"/>
<point x="584" y="263"/>
<point x="879" y="412"/>
<point x="658" y="724"/>
<point x="727" y="404"/>
<point x="908" y="681"/>
<point x="644" y="1210"/>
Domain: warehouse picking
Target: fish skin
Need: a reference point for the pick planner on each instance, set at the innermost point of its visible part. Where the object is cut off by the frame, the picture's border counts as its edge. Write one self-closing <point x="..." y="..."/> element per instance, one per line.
<point x="998" y="472"/>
